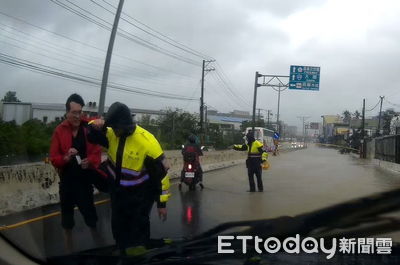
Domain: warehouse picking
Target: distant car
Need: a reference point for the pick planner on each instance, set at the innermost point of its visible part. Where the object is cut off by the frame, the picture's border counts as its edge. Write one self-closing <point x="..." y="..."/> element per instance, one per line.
<point x="294" y="145"/>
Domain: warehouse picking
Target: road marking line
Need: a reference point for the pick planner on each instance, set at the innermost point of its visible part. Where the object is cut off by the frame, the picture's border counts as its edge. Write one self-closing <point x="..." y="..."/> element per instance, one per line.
<point x="16" y="225"/>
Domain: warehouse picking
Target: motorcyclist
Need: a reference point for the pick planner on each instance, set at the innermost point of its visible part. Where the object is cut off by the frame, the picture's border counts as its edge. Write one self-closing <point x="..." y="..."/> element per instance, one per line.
<point x="192" y="149"/>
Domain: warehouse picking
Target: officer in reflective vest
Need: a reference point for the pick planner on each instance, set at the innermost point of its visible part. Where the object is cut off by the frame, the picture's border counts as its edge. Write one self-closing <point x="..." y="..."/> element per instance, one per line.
<point x="256" y="156"/>
<point x="138" y="172"/>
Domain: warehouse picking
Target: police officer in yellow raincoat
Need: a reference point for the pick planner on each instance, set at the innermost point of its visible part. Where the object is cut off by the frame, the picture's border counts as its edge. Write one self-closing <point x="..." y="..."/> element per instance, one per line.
<point x="256" y="156"/>
<point x="138" y="173"/>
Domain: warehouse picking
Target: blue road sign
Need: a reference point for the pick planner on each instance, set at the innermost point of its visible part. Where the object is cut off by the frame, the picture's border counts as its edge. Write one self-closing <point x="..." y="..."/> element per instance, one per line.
<point x="304" y="77"/>
<point x="276" y="135"/>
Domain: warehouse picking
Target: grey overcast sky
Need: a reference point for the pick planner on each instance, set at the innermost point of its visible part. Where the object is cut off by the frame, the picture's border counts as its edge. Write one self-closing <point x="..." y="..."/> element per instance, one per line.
<point x="355" y="42"/>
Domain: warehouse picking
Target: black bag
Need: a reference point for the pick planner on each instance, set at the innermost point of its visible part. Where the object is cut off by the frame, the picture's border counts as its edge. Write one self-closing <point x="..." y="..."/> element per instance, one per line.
<point x="102" y="178"/>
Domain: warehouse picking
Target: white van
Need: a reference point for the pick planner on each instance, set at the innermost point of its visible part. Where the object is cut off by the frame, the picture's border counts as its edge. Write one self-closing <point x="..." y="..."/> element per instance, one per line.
<point x="266" y="136"/>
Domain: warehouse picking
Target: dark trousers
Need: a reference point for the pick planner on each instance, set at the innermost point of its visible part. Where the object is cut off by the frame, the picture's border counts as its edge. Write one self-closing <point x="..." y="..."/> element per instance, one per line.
<point x="254" y="168"/>
<point x="77" y="194"/>
<point x="130" y="219"/>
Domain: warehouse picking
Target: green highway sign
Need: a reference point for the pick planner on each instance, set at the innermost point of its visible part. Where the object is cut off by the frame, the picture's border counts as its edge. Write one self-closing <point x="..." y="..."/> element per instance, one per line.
<point x="304" y="77"/>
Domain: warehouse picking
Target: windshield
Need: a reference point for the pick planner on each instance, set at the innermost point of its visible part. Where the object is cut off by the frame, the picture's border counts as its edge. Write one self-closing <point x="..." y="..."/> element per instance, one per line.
<point x="124" y="121"/>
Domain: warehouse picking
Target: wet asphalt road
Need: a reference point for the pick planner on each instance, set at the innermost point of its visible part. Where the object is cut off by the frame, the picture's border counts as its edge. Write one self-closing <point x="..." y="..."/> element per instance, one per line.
<point x="297" y="182"/>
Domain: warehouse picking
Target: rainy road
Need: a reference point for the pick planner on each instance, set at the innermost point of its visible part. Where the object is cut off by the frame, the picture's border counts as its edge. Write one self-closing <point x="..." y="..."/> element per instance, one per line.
<point x="297" y="182"/>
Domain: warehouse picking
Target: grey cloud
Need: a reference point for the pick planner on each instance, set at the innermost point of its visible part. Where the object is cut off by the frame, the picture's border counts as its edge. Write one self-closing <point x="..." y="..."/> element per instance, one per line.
<point x="226" y="30"/>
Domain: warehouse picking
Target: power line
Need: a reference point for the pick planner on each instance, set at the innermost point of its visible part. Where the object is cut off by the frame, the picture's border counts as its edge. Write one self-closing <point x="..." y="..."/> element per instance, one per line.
<point x="66" y="53"/>
<point x="191" y="51"/>
<point x="226" y="96"/>
<point x="231" y="94"/>
<point x="227" y="86"/>
<point x="229" y="81"/>
<point x="161" y="34"/>
<point x="196" y="88"/>
<point x="374" y="107"/>
<point x="89" y="45"/>
<point x="393" y="104"/>
<point x="214" y="108"/>
<point x="36" y="67"/>
<point x="95" y="67"/>
<point x="123" y="33"/>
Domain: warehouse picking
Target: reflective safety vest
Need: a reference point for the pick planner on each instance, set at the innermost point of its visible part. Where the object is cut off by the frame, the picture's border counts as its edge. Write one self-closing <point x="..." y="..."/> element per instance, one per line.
<point x="254" y="151"/>
<point x="138" y="146"/>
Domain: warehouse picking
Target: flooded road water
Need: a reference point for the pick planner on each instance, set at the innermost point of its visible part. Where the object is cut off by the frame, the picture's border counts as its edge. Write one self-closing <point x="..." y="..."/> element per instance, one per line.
<point x="297" y="182"/>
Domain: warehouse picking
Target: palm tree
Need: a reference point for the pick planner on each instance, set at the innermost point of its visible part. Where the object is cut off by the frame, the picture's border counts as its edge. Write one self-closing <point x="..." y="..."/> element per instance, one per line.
<point x="357" y="115"/>
<point x="347" y="116"/>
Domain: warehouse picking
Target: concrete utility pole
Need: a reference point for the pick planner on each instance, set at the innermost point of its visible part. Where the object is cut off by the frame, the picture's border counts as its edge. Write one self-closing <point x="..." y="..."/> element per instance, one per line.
<point x="108" y="59"/>
<point x="202" y="97"/>
<point x="363" y="120"/>
<point x="203" y="73"/>
<point x="205" y="122"/>
<point x="259" y="114"/>
<point x="380" y="115"/>
<point x="269" y="113"/>
<point x="323" y="127"/>
<point x="303" y="118"/>
<point x="363" y="145"/>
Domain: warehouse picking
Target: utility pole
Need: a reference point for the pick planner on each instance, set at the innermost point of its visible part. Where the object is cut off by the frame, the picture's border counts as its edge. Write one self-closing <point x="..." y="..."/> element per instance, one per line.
<point x="323" y="127"/>
<point x="363" y="120"/>
<point x="378" y="133"/>
<point x="203" y="73"/>
<point x="363" y="145"/>
<point x="303" y="118"/>
<point x="259" y="115"/>
<point x="206" y="124"/>
<point x="202" y="97"/>
<point x="268" y="118"/>
<point x="108" y="60"/>
<point x="173" y="129"/>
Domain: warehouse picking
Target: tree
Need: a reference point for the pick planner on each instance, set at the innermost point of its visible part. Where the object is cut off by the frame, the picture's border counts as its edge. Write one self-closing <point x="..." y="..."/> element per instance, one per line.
<point x="36" y="137"/>
<point x="387" y="117"/>
<point x="10" y="96"/>
<point x="175" y="127"/>
<point x="346" y="116"/>
<point x="28" y="142"/>
<point x="149" y="125"/>
<point x="357" y="115"/>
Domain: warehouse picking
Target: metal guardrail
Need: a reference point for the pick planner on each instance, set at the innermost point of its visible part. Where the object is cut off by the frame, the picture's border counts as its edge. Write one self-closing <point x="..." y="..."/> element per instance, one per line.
<point x="387" y="148"/>
<point x="339" y="147"/>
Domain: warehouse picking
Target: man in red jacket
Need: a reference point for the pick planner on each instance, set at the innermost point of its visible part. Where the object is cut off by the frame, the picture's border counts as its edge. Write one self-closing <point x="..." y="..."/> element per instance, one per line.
<point x="75" y="160"/>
